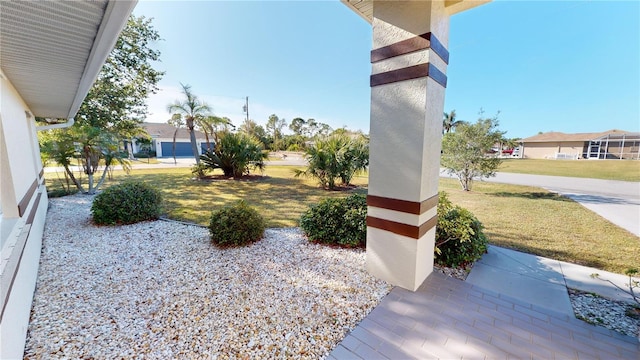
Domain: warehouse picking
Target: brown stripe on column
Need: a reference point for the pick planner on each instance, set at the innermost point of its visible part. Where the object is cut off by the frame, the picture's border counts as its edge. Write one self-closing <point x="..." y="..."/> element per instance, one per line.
<point x="41" y="173"/>
<point x="22" y="205"/>
<point x="405" y="206"/>
<point x="408" y="73"/>
<point x="412" y="231"/>
<point x="34" y="210"/>
<point x="420" y="42"/>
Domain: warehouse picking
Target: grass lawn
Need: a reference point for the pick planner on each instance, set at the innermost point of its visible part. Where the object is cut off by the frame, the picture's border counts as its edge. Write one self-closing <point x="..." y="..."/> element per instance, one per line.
<point x="280" y="197"/>
<point x="626" y="170"/>
<point x="536" y="221"/>
<point x="523" y="218"/>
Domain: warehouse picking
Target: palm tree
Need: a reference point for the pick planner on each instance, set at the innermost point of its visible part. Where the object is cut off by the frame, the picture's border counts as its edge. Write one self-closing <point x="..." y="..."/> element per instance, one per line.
<point x="192" y="110"/>
<point x="211" y="125"/>
<point x="176" y="121"/>
<point x="449" y="122"/>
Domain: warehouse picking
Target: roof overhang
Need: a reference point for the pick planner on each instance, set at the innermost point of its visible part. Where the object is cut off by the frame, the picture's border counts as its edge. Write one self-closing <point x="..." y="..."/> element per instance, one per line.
<point x="52" y="51"/>
<point x="364" y="8"/>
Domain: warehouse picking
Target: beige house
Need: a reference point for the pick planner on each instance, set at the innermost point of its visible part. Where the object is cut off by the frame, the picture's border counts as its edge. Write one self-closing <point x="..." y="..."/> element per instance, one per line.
<point x="51" y="54"/>
<point x="612" y="144"/>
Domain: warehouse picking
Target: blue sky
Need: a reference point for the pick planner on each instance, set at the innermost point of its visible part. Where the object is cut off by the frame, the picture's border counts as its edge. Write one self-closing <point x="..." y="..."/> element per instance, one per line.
<point x="569" y="66"/>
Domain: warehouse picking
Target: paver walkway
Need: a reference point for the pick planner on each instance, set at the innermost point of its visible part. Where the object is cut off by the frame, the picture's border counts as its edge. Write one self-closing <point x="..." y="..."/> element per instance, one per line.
<point x="450" y="319"/>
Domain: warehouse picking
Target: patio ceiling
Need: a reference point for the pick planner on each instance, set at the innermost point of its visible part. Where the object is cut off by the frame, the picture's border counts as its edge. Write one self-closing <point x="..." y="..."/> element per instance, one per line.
<point x="364" y="8"/>
<point x="52" y="51"/>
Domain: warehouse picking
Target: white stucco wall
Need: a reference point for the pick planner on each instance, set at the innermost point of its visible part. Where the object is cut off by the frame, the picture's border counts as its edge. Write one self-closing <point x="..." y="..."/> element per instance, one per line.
<point x="20" y="167"/>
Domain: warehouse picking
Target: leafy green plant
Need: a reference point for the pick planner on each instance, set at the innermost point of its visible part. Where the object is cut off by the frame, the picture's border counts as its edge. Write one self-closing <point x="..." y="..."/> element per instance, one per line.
<point x="200" y="170"/>
<point x="337" y="221"/>
<point x="127" y="203"/>
<point x="236" y="154"/>
<point x="236" y="225"/>
<point x="459" y="236"/>
<point x="338" y="157"/>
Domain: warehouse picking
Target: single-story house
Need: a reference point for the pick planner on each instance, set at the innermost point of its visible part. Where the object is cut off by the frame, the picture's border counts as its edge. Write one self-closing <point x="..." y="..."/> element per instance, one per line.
<point x="51" y="54"/>
<point x="162" y="140"/>
<point x="611" y="144"/>
<point x="53" y="51"/>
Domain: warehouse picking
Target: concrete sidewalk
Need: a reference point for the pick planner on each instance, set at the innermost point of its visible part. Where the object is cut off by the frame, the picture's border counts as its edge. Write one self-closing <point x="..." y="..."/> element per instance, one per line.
<point x="541" y="281"/>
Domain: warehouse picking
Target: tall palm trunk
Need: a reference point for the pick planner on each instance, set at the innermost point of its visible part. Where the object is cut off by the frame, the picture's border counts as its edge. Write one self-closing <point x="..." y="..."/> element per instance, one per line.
<point x="194" y="144"/>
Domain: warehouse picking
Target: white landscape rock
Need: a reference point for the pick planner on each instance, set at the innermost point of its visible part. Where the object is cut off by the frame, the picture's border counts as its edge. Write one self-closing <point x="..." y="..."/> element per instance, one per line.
<point x="162" y="290"/>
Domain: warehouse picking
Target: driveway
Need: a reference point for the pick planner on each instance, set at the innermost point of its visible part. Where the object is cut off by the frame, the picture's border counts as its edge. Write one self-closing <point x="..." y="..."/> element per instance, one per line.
<point x="616" y="201"/>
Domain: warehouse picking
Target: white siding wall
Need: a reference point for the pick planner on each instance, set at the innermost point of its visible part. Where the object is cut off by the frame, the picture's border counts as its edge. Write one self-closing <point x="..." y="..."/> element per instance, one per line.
<point x="20" y="230"/>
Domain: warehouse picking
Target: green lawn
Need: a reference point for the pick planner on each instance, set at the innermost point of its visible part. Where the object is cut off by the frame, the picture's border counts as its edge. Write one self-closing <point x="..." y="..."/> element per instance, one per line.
<point x="519" y="217"/>
<point x="626" y="170"/>
<point x="539" y="222"/>
<point x="279" y="196"/>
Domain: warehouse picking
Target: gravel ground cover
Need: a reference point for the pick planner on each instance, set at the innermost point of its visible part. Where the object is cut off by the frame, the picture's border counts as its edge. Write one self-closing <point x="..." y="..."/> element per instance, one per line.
<point x="161" y="290"/>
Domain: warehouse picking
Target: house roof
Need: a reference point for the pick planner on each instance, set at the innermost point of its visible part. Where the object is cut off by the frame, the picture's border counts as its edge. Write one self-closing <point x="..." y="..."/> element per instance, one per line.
<point x="562" y="137"/>
<point x="364" y="8"/>
<point x="165" y="131"/>
<point x="52" y="51"/>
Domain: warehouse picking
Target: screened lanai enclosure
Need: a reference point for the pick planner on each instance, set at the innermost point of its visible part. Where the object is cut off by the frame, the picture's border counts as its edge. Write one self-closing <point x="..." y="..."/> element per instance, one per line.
<point x="625" y="146"/>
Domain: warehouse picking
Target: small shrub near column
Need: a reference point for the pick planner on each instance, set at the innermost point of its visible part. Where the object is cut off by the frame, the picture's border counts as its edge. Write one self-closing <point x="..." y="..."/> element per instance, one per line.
<point x="236" y="225"/>
<point x="337" y="221"/>
<point x="127" y="203"/>
<point x="459" y="237"/>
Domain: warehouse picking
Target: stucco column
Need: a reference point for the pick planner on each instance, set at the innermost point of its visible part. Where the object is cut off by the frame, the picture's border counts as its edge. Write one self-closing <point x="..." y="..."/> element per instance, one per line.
<point x="409" y="60"/>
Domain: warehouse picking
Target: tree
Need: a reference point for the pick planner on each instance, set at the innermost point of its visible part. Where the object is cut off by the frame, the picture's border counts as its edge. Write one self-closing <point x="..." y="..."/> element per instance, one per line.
<point x="297" y="126"/>
<point x="177" y="122"/>
<point x="211" y="125"/>
<point x="194" y="111"/>
<point x="464" y="152"/>
<point x="309" y="128"/>
<point x="145" y="143"/>
<point x="236" y="154"/>
<point x="449" y="122"/>
<point x="115" y="106"/>
<point x="252" y="128"/>
<point x="275" y="125"/>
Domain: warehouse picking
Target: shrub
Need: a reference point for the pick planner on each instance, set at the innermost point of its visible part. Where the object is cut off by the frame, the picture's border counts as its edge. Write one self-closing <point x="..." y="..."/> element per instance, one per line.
<point x="337" y="221"/>
<point x="144" y="154"/>
<point x="236" y="154"/>
<point x="459" y="236"/>
<point x="200" y="170"/>
<point x="236" y="225"/>
<point x="127" y="203"/>
<point x="338" y="157"/>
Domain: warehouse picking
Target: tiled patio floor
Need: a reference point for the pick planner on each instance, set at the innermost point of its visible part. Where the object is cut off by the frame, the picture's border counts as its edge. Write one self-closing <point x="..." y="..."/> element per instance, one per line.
<point x="450" y="319"/>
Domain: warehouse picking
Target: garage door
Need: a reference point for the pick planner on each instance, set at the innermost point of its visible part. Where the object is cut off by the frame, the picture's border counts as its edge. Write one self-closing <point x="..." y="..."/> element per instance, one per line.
<point x="204" y="147"/>
<point x="182" y="149"/>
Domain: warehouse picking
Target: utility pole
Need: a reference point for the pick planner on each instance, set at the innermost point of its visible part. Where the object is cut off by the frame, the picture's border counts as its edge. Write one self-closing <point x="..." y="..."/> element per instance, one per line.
<point x="245" y="108"/>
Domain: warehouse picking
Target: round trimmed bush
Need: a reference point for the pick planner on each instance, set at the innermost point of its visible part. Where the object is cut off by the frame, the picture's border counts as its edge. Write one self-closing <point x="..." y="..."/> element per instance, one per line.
<point x="127" y="203"/>
<point x="236" y="225"/>
<point x="459" y="237"/>
<point x="340" y="222"/>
